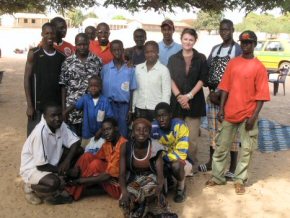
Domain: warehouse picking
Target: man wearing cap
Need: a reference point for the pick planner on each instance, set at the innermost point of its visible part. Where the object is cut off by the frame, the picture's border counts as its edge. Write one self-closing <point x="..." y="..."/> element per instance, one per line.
<point x="167" y="47"/>
<point x="244" y="88"/>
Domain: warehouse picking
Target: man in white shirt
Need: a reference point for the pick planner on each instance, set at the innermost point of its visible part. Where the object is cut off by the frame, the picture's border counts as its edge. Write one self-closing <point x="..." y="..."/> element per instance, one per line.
<point x="47" y="154"/>
<point x="154" y="83"/>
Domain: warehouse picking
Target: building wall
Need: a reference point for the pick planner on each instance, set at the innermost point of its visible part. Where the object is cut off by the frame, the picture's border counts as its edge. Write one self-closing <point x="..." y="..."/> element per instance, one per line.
<point x="30" y="22"/>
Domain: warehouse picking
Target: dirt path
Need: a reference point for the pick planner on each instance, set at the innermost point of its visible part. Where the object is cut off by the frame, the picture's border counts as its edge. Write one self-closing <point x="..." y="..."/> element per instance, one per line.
<point x="268" y="191"/>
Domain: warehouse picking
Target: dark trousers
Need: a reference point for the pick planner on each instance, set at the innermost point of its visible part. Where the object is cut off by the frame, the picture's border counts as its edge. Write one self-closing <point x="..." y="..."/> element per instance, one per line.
<point x="33" y="122"/>
<point x="144" y="113"/>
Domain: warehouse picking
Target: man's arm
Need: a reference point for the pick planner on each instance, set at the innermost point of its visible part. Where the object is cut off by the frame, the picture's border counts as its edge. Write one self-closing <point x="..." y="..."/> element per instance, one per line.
<point x="251" y="121"/>
<point x="221" y="113"/>
<point x="63" y="98"/>
<point x="65" y="165"/>
<point x="48" y="168"/>
<point x="27" y="84"/>
<point x="93" y="179"/>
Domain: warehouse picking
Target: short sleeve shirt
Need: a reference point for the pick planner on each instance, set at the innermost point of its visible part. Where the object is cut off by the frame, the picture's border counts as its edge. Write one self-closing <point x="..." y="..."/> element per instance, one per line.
<point x="74" y="77"/>
<point x="44" y="147"/>
<point x="65" y="47"/>
<point x="117" y="83"/>
<point x="93" y="115"/>
<point x="246" y="81"/>
<point x="112" y="156"/>
<point x="105" y="55"/>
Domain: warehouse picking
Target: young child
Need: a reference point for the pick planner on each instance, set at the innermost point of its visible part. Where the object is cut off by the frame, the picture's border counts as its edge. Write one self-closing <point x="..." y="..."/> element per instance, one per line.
<point x="95" y="107"/>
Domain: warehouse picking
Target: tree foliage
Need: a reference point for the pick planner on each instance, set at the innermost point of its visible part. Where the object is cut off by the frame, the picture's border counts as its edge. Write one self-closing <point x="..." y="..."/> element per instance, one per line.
<point x="10" y="6"/>
<point x="207" y="20"/>
<point x="119" y="17"/>
<point x="265" y="23"/>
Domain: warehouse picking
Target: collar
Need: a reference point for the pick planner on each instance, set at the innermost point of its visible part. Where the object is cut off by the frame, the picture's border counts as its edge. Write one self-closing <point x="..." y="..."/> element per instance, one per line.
<point x="168" y="46"/>
<point x="112" y="65"/>
<point x="156" y="65"/>
<point x="43" y="121"/>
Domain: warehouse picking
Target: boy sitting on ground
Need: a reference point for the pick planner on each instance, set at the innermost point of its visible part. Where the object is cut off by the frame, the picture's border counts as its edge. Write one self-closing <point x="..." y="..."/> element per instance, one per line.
<point x="47" y="155"/>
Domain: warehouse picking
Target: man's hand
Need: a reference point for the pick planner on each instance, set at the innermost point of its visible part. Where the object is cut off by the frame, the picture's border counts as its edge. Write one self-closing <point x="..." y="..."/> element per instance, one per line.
<point x="250" y="123"/>
<point x="220" y="115"/>
<point x="30" y="112"/>
<point x="129" y="117"/>
<point x="63" y="167"/>
<point x="124" y="202"/>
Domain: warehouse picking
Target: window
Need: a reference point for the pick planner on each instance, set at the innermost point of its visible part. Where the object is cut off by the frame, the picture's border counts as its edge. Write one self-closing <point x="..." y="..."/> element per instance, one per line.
<point x="259" y="46"/>
<point x="274" y="46"/>
<point x="25" y="20"/>
<point x="32" y="20"/>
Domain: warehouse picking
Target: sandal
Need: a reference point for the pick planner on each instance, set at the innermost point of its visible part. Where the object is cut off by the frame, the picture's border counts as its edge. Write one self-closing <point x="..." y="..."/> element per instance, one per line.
<point x="211" y="183"/>
<point x="240" y="188"/>
<point x="179" y="196"/>
<point x="204" y="168"/>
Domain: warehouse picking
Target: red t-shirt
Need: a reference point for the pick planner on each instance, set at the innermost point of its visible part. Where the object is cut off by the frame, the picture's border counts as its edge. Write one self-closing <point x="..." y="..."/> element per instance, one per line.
<point x="65" y="47"/>
<point x="246" y="81"/>
<point x="105" y="54"/>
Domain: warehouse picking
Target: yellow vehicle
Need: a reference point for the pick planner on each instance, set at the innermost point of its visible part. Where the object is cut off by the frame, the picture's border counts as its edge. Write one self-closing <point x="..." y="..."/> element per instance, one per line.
<point x="274" y="53"/>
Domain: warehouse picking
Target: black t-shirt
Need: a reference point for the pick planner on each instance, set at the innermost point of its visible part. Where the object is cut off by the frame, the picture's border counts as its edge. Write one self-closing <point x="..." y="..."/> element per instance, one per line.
<point x="45" y="80"/>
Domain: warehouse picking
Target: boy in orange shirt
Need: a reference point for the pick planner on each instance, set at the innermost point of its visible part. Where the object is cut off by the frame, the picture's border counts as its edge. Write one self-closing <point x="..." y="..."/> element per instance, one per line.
<point x="244" y="90"/>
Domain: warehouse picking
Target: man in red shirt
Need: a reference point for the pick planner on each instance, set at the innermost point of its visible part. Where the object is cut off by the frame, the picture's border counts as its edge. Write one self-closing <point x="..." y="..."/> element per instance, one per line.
<point x="244" y="90"/>
<point x="61" y="28"/>
<point x="101" y="47"/>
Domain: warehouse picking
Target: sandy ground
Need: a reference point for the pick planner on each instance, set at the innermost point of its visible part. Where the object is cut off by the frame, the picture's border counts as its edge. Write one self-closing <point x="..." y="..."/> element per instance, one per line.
<point x="267" y="193"/>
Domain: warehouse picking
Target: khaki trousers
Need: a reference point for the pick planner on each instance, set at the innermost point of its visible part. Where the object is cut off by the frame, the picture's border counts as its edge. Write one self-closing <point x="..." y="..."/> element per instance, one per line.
<point x="249" y="140"/>
<point x="193" y="124"/>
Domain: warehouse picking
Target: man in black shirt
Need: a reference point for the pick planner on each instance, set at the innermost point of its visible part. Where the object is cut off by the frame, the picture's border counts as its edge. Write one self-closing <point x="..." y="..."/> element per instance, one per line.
<point x="41" y="76"/>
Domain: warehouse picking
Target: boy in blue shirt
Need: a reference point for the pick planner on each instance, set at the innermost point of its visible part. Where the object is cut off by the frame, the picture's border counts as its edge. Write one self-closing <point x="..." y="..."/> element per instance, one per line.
<point x="95" y="107"/>
<point x="119" y="81"/>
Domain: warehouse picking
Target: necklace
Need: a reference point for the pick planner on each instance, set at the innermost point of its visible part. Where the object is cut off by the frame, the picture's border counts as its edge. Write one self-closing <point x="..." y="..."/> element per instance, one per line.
<point x="146" y="156"/>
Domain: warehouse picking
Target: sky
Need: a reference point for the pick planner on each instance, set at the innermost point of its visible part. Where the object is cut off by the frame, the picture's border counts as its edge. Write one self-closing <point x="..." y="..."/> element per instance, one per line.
<point x="150" y="15"/>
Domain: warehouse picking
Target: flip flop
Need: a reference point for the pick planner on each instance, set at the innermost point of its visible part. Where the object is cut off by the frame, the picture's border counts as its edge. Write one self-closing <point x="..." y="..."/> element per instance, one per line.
<point x="203" y="168"/>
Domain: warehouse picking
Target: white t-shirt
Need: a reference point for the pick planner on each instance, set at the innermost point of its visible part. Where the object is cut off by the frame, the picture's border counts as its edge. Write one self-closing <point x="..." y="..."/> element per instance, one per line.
<point x="224" y="51"/>
<point x="44" y="147"/>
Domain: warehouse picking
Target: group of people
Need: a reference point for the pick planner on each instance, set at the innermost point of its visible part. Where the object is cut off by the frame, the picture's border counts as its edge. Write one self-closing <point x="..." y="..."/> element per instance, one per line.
<point x="128" y="120"/>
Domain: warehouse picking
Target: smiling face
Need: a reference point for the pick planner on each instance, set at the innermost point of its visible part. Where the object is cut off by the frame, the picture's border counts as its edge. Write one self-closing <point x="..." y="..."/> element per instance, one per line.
<point x="103" y="33"/>
<point x="48" y="35"/>
<point x="187" y="41"/>
<point x="141" y="132"/>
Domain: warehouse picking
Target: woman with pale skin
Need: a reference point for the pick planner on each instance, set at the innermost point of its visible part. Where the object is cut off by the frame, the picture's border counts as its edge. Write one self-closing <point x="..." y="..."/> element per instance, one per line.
<point x="188" y="70"/>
